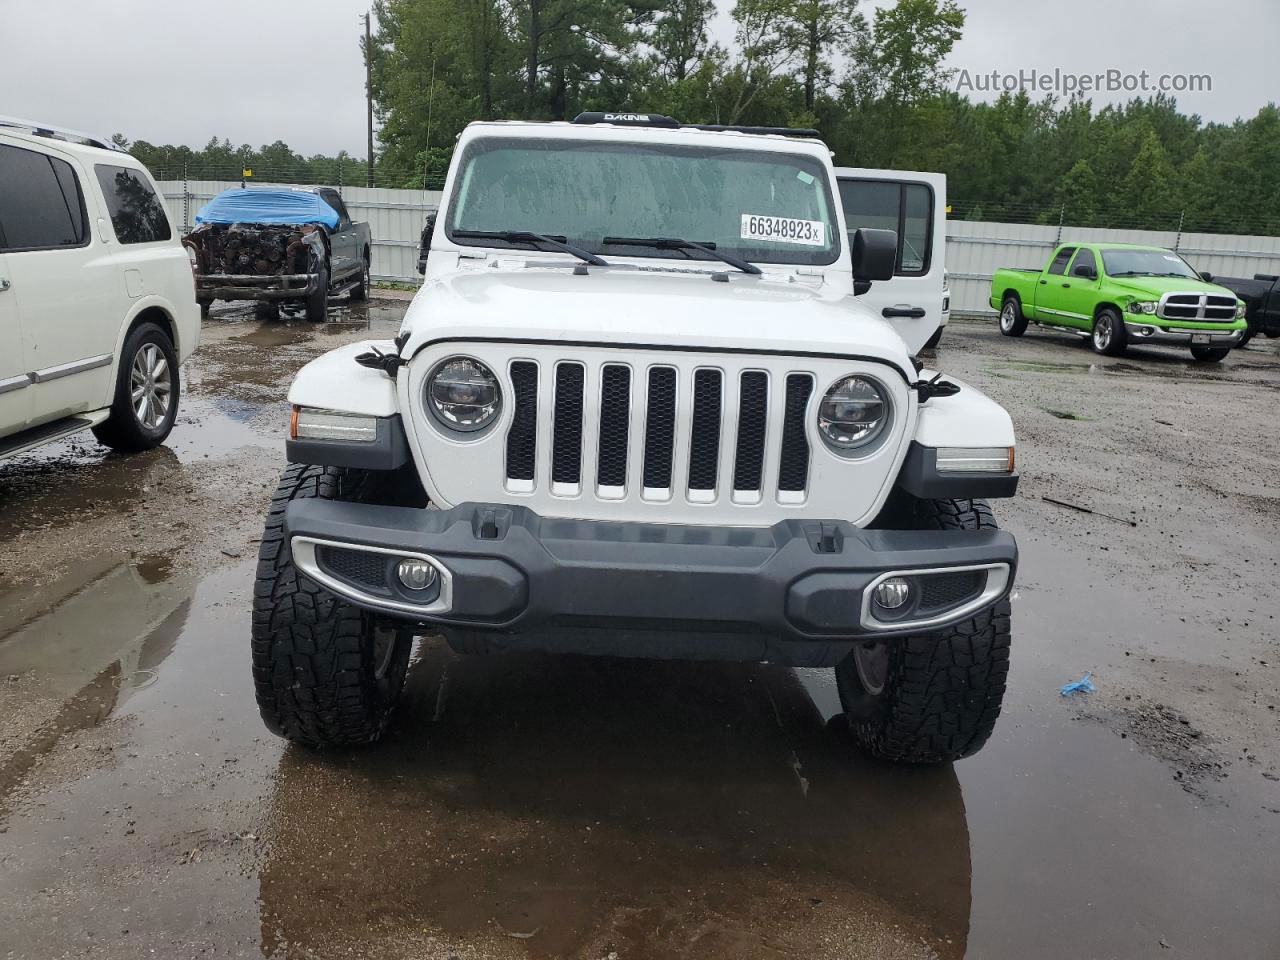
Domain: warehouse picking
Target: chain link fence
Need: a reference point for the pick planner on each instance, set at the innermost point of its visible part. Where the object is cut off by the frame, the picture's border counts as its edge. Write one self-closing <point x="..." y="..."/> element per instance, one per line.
<point x="1259" y="223"/>
<point x="327" y="172"/>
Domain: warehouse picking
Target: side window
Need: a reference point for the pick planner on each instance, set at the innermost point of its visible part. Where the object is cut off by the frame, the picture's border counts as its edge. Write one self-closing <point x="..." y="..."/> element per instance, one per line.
<point x="1084" y="258"/>
<point x="905" y="208"/>
<point x="917" y="228"/>
<point x="340" y="208"/>
<point x="41" y="206"/>
<point x="1059" y="265"/>
<point x="137" y="215"/>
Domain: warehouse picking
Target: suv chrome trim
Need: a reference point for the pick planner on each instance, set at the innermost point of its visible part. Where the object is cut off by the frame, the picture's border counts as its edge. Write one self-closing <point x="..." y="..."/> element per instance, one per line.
<point x="304" y="555"/>
<point x="67" y="369"/>
<point x="15" y="383"/>
<point x="998" y="578"/>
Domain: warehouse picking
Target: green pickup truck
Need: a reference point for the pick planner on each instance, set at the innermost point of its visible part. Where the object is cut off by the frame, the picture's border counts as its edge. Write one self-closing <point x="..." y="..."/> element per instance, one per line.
<point x="1119" y="294"/>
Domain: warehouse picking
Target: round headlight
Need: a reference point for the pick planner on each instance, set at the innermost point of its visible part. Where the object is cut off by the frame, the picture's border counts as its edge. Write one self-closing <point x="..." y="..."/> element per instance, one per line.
<point x="853" y="414"/>
<point x="463" y="394"/>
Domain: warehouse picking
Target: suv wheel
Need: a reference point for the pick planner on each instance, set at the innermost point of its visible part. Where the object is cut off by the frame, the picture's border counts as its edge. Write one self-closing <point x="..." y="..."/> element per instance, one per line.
<point x="145" y="403"/>
<point x="933" y="697"/>
<point x="1109" y="337"/>
<point x="325" y="673"/>
<point x="1012" y="322"/>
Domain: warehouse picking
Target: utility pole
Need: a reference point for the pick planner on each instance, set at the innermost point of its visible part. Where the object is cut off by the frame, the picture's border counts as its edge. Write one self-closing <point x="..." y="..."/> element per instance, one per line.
<point x="368" y="92"/>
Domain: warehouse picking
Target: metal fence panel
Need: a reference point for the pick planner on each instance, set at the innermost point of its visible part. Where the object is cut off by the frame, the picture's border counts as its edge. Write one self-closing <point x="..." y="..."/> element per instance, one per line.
<point x="975" y="249"/>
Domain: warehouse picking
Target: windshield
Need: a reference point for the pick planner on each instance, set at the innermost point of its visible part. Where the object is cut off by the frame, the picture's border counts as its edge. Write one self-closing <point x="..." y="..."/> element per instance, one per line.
<point x="755" y="205"/>
<point x="1146" y="263"/>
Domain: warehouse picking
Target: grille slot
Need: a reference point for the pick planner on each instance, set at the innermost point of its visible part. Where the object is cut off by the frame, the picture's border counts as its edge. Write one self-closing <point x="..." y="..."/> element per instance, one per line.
<point x="940" y="591"/>
<point x="660" y="428"/>
<point x="753" y="411"/>
<point x="615" y="410"/>
<point x="566" y="441"/>
<point x="704" y="435"/>
<point x="1198" y="306"/>
<point x="369" y="569"/>
<point x="522" y="440"/>
<point x="793" y="470"/>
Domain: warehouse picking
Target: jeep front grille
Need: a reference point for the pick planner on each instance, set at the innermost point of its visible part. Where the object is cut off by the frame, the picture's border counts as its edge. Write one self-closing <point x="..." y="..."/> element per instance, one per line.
<point x="1197" y="306"/>
<point x="711" y="425"/>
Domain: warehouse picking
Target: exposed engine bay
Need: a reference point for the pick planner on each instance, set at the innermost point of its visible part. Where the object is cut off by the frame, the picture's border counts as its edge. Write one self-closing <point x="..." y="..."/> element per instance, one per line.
<point x="255" y="249"/>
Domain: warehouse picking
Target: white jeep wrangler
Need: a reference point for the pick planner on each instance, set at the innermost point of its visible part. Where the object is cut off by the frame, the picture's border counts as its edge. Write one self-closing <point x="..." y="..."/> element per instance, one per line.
<point x="638" y="409"/>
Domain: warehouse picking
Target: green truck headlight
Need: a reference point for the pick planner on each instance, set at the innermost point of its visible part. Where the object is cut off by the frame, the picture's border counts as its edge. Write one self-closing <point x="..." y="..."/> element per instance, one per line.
<point x="1143" y="306"/>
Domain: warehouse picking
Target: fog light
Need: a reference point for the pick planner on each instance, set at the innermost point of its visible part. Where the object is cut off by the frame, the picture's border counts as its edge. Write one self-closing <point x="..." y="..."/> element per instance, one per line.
<point x="416" y="574"/>
<point x="893" y="593"/>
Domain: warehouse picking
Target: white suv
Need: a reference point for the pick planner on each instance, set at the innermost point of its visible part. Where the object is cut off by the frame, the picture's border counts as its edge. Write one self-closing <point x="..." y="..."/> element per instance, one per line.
<point x="97" y="298"/>
<point x="645" y="406"/>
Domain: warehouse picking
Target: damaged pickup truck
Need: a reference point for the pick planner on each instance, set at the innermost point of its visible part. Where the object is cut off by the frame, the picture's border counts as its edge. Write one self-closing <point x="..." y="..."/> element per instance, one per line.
<point x="277" y="245"/>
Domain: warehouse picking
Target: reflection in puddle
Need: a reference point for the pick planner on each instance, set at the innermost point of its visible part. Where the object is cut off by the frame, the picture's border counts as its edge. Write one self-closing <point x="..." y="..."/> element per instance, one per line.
<point x="651" y="808"/>
<point x="90" y="640"/>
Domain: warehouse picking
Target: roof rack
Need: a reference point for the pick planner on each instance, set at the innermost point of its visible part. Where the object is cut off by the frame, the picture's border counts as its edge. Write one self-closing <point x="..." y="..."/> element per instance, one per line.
<point x="58" y="133"/>
<point x="658" y="120"/>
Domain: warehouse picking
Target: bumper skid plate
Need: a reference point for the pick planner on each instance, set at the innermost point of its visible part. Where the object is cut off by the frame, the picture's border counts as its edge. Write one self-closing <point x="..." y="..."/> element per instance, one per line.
<point x="506" y="568"/>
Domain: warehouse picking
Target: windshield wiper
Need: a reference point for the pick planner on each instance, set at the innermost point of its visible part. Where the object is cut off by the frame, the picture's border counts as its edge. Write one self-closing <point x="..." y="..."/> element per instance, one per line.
<point x="528" y="236"/>
<point x="674" y="243"/>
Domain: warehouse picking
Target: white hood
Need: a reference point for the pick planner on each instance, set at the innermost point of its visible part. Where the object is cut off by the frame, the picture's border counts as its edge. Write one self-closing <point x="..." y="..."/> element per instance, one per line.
<point x="649" y="308"/>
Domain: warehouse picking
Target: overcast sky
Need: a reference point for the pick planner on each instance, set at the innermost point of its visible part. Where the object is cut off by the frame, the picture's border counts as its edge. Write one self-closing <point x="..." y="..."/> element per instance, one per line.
<point x="176" y="71"/>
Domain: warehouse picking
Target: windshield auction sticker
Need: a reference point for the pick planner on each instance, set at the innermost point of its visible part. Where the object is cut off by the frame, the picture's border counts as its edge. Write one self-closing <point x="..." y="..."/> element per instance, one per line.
<point x="811" y="233"/>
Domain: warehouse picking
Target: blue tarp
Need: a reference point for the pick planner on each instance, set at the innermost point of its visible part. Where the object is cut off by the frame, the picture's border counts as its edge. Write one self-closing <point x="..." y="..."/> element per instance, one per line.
<point x="268" y="206"/>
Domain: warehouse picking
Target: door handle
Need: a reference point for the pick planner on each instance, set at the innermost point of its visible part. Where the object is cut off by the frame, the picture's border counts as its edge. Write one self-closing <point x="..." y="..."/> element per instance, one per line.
<point x="1067" y="285"/>
<point x="4" y="284"/>
<point x="912" y="313"/>
<point x="1044" y="283"/>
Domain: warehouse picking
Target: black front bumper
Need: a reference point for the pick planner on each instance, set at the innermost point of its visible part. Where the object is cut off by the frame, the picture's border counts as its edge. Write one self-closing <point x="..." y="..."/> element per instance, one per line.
<point x="511" y="570"/>
<point x="289" y="286"/>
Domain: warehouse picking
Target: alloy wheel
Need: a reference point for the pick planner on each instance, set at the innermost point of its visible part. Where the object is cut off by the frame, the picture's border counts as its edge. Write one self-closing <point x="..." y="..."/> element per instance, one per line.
<point x="151" y="386"/>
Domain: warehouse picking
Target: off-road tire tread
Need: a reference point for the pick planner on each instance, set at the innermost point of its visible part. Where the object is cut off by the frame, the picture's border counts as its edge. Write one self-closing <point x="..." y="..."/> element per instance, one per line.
<point x="944" y="689"/>
<point x="312" y="667"/>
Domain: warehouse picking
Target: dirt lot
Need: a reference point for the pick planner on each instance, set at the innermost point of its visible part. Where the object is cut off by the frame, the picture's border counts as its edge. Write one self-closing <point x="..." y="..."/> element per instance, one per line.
<point x="559" y="807"/>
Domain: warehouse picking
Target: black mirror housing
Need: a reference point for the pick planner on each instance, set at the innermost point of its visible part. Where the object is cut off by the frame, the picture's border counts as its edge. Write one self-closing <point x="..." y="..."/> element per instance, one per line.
<point x="1206" y="276"/>
<point x="424" y="244"/>
<point x="874" y="254"/>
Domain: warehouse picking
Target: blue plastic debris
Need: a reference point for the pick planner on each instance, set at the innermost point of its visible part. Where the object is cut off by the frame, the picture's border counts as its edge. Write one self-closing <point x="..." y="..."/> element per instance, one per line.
<point x="268" y="206"/>
<point x="1083" y="685"/>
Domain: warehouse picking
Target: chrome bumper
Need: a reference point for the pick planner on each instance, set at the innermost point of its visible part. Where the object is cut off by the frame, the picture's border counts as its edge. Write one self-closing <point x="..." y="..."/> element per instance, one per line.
<point x="1153" y="333"/>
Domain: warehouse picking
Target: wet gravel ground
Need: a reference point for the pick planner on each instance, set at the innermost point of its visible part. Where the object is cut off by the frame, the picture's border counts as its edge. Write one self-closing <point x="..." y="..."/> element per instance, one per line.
<point x="563" y="807"/>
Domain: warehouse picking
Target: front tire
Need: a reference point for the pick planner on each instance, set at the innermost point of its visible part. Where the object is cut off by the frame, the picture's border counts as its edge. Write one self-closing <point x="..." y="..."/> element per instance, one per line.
<point x="1210" y="354"/>
<point x="325" y="673"/>
<point x="317" y="302"/>
<point x="1109" y="337"/>
<point x="933" y="697"/>
<point x="145" y="403"/>
<point x="1012" y="322"/>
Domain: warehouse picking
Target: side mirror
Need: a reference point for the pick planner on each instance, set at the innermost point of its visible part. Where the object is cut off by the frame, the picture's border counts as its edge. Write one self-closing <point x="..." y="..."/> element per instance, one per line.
<point x="1206" y="276"/>
<point x="1085" y="271"/>
<point x="875" y="257"/>
<point x="424" y="244"/>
